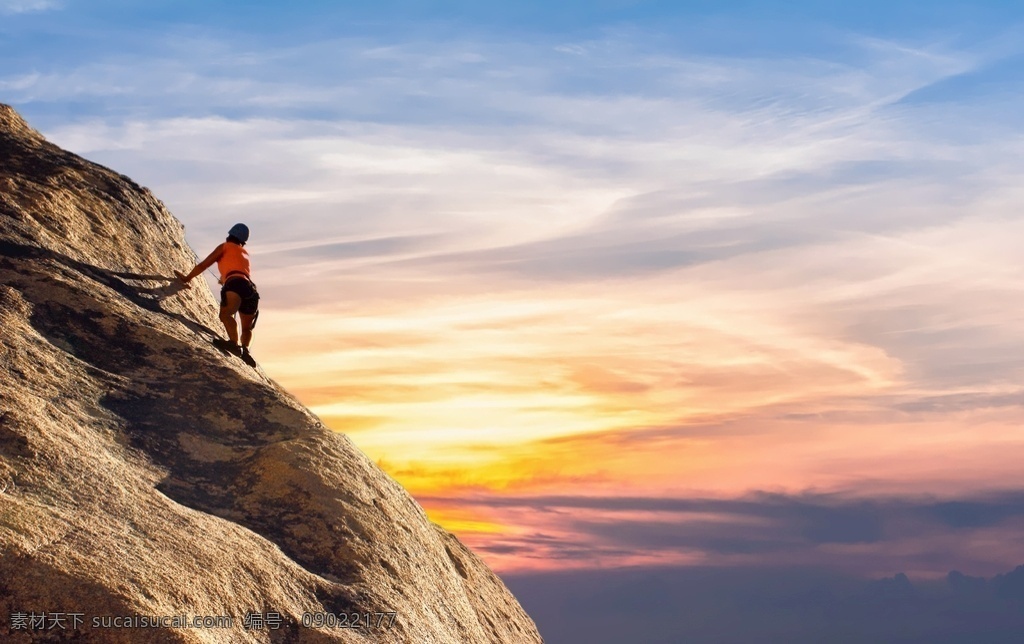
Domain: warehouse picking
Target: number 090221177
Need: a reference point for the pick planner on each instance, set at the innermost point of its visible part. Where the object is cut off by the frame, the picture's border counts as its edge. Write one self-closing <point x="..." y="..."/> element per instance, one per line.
<point x="350" y="620"/>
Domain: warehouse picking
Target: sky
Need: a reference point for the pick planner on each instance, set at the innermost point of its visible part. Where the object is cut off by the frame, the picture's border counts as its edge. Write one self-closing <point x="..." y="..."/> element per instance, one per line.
<point x="611" y="286"/>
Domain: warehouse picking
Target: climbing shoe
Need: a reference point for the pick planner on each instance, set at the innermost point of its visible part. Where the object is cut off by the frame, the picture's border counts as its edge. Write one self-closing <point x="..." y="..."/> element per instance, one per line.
<point x="228" y="346"/>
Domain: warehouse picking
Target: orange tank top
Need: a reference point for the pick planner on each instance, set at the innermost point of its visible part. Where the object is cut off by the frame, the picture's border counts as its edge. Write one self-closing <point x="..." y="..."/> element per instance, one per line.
<point x="233" y="259"/>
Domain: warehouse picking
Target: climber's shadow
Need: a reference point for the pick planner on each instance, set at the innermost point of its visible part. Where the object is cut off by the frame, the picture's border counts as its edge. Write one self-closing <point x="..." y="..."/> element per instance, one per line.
<point x="146" y="297"/>
<point x="157" y="294"/>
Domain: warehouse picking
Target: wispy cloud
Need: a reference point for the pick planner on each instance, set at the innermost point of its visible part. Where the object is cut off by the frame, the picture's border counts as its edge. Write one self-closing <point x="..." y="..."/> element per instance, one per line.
<point x="28" y="6"/>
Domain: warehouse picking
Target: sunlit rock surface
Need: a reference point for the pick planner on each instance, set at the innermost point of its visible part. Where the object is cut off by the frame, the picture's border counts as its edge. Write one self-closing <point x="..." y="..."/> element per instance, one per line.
<point x="145" y="473"/>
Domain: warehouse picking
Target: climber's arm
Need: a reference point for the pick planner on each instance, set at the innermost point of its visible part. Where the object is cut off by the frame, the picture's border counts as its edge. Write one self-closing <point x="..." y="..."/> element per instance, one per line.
<point x="202" y="266"/>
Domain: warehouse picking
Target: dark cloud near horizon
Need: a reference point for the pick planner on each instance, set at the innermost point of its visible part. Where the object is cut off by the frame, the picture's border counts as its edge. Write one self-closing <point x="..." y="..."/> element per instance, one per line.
<point x="762" y="526"/>
<point x="769" y="604"/>
<point x="997" y="505"/>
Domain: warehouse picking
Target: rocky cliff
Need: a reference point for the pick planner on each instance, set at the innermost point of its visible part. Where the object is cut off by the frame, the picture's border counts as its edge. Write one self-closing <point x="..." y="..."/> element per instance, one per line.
<point x="146" y="475"/>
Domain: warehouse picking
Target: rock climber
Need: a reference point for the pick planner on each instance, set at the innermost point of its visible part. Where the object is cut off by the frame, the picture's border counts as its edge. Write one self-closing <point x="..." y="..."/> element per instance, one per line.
<point x="237" y="294"/>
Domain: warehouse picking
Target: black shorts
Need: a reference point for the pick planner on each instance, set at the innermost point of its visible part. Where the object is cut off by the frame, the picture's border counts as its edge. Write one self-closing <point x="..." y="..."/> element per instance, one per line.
<point x="247" y="291"/>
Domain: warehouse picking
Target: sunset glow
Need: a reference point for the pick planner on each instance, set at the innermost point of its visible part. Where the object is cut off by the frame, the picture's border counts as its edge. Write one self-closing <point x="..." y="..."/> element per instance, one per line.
<point x="624" y="286"/>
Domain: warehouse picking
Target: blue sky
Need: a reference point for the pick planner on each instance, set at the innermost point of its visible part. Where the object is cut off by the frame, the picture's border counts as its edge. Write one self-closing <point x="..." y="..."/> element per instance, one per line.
<point x="752" y="258"/>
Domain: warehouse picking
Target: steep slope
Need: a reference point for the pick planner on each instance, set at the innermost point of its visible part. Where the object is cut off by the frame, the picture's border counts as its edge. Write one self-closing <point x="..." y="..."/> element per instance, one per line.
<point x="144" y="473"/>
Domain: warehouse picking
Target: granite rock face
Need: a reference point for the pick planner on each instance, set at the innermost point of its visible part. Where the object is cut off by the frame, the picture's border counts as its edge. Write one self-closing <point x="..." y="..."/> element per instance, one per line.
<point x="143" y="473"/>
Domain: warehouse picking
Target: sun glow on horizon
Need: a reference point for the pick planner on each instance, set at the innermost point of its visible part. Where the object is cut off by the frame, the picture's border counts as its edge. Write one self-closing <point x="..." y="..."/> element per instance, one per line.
<point x="462" y="384"/>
